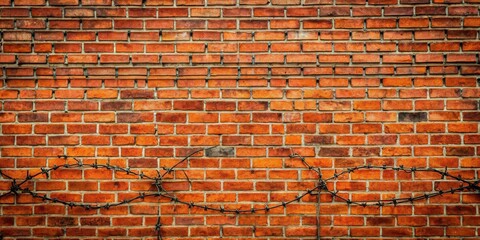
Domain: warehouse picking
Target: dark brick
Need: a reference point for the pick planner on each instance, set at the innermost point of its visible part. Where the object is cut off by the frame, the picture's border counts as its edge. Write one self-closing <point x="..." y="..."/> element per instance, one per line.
<point x="318" y="140"/>
<point x="118" y="105"/>
<point x="412" y="117"/>
<point x="471" y="116"/>
<point x="33" y="117"/>
<point x="134" y="117"/>
<point x="333" y="152"/>
<point x="460" y="151"/>
<point x="137" y="94"/>
<point x="220" y="152"/>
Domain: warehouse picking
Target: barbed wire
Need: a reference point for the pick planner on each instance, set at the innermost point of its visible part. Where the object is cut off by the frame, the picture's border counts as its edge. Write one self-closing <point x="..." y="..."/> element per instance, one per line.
<point x="470" y="185"/>
<point x="16" y="187"/>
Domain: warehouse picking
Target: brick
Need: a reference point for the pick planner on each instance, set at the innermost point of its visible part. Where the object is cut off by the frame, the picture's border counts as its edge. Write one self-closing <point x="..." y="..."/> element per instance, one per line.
<point x="136" y="94"/>
<point x="31" y="24"/>
<point x="284" y="24"/>
<point x="301" y="12"/>
<point x="220" y="152"/>
<point x="366" y="11"/>
<point x="170" y="117"/>
<point x="412" y="117"/>
<point x="329" y="11"/>
<point x="348" y="23"/>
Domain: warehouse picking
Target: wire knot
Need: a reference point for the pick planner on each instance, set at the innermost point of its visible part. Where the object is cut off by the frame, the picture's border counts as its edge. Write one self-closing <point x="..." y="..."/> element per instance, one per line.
<point x="14" y="188"/>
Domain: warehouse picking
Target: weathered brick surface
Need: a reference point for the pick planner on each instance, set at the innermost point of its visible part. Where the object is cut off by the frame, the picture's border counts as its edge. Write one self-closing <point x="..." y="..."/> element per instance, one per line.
<point x="143" y="83"/>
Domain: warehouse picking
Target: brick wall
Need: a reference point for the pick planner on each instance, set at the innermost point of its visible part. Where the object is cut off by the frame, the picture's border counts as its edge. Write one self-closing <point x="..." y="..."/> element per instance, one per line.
<point x="141" y="84"/>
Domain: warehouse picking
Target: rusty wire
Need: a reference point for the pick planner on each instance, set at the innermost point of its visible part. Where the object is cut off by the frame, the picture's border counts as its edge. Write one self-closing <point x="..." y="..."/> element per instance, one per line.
<point x="157" y="181"/>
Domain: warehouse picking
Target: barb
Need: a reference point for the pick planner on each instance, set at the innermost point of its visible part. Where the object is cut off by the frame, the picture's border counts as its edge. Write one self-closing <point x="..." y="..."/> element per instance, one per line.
<point x="158" y="180"/>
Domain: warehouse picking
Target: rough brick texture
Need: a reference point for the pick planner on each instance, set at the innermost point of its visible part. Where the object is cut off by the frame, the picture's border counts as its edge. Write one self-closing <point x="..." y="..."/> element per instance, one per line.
<point x="140" y="84"/>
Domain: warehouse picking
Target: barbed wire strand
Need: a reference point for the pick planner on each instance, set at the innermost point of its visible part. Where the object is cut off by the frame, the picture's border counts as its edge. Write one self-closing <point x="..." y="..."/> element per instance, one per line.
<point x="158" y="180"/>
